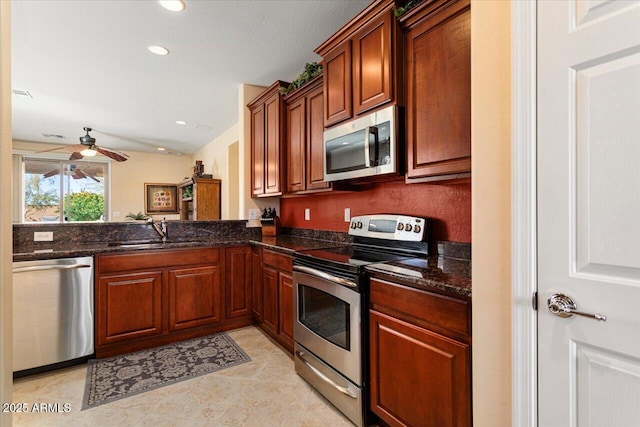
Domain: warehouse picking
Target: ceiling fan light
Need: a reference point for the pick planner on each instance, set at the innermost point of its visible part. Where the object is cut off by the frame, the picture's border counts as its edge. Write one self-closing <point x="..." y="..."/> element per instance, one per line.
<point x="173" y="5"/>
<point x="89" y="152"/>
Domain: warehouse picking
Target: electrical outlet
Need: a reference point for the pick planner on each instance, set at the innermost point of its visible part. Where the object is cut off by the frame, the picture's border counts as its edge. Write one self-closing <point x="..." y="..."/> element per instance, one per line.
<point x="347" y="214"/>
<point x="43" y="236"/>
<point x="307" y="214"/>
<point x="254" y="213"/>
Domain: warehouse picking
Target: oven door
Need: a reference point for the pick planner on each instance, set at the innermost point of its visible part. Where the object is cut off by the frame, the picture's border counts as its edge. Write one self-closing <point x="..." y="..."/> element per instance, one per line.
<point x="328" y="322"/>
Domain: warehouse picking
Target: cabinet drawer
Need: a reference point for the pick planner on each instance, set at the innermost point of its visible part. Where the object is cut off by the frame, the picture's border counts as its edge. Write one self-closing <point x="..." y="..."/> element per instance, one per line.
<point x="423" y="308"/>
<point x="156" y="259"/>
<point x="281" y="262"/>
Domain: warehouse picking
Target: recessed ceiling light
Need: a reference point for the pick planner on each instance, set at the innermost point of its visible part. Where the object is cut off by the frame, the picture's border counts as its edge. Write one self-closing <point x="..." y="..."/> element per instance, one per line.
<point x="158" y="50"/>
<point x="173" y="5"/>
<point x="161" y="149"/>
<point x="181" y="122"/>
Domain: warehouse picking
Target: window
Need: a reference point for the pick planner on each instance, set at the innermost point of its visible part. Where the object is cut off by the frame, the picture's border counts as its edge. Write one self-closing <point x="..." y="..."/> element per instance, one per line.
<point x="64" y="191"/>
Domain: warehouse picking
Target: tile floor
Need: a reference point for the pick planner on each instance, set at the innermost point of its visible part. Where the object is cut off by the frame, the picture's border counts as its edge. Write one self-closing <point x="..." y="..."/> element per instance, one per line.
<point x="263" y="392"/>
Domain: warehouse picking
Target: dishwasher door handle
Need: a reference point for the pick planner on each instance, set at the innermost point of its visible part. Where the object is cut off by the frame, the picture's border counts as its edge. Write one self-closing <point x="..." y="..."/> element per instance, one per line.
<point x="50" y="267"/>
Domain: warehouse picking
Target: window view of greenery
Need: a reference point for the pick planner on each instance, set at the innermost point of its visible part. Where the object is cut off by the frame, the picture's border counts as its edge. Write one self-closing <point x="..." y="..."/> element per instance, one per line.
<point x="64" y="191"/>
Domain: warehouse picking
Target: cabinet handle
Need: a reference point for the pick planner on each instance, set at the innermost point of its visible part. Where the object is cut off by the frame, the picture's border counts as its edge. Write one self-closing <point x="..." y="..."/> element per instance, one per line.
<point x="324" y="378"/>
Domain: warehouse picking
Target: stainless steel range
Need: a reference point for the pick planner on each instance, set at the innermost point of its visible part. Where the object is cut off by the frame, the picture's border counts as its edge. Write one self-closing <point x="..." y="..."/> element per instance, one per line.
<point x="331" y="299"/>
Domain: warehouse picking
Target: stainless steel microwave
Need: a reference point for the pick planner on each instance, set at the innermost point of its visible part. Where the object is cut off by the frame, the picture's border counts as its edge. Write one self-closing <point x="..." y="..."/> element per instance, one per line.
<point x="362" y="147"/>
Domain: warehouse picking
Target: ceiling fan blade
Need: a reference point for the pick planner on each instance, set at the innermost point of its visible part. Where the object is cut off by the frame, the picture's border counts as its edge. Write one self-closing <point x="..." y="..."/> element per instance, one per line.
<point x="115" y="155"/>
<point x="77" y="174"/>
<point x="75" y="156"/>
<point x="51" y="173"/>
<point x="87" y="175"/>
<point x="72" y="148"/>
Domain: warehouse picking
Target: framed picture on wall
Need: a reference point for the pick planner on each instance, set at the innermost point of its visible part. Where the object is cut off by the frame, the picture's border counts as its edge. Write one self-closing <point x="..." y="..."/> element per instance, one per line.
<point x="160" y="198"/>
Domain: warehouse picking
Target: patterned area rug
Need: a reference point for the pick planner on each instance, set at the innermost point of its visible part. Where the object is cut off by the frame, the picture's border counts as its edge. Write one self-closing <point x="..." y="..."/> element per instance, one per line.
<point x="123" y="376"/>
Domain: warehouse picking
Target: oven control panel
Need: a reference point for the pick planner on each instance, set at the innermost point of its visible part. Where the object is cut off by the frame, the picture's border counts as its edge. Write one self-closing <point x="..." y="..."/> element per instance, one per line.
<point x="390" y="227"/>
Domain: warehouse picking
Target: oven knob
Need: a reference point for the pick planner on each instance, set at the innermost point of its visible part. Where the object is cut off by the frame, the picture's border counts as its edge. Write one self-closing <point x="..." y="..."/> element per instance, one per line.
<point x="400" y="226"/>
<point x="353" y="225"/>
<point x="417" y="228"/>
<point x="407" y="227"/>
<point x="359" y="225"/>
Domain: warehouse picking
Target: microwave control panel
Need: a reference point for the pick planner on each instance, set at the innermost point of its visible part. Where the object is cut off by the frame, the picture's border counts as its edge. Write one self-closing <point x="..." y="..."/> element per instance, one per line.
<point x="390" y="227"/>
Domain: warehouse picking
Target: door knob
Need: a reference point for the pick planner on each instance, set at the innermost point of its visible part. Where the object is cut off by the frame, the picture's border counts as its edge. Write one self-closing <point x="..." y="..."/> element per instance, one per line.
<point x="563" y="306"/>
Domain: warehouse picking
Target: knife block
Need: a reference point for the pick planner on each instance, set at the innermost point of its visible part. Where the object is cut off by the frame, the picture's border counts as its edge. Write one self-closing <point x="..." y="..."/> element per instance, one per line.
<point x="270" y="226"/>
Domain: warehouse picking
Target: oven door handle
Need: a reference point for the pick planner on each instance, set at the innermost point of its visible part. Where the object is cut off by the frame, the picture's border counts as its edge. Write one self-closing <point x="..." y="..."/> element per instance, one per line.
<point x="324" y="275"/>
<point x="325" y="378"/>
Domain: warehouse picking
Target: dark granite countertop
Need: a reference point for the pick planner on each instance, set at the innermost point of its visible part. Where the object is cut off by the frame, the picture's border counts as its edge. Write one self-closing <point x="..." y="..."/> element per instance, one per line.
<point x="449" y="275"/>
<point x="88" y="249"/>
<point x="292" y="244"/>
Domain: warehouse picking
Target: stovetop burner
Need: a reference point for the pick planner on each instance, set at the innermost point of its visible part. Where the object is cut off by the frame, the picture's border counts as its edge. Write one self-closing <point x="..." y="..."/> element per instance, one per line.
<point x="352" y="258"/>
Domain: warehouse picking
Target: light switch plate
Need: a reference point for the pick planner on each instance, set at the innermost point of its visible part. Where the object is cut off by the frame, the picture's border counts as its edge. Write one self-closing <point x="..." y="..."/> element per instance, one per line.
<point x="347" y="214"/>
<point x="307" y="214"/>
<point x="43" y="236"/>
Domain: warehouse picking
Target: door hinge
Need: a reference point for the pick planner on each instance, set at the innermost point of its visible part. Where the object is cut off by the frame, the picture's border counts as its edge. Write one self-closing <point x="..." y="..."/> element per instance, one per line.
<point x="534" y="300"/>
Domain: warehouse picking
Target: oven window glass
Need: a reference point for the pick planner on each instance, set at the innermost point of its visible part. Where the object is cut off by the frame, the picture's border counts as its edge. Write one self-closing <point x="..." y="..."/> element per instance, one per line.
<point x="325" y="315"/>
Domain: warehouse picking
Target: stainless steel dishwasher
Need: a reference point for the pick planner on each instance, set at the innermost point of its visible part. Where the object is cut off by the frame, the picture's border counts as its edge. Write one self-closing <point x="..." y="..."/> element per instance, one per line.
<point x="52" y="311"/>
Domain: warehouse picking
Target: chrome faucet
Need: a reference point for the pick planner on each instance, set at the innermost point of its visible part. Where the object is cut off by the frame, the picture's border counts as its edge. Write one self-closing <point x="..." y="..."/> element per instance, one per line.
<point x="160" y="229"/>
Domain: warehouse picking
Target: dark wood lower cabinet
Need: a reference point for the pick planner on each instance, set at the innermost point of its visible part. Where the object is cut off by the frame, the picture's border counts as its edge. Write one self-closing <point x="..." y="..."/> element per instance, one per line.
<point x="418" y="377"/>
<point x="149" y="298"/>
<point x="130" y="306"/>
<point x="420" y="356"/>
<point x="256" y="284"/>
<point x="194" y="297"/>
<point x="276" y="290"/>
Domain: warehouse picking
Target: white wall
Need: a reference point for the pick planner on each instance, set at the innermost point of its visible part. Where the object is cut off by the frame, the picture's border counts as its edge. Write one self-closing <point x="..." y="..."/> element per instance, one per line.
<point x="6" y="255"/>
<point x="491" y="211"/>
<point x="215" y="157"/>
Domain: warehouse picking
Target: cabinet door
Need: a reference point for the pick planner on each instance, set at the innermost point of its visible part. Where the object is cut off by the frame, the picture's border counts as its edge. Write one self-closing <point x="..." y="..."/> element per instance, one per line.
<point x="257" y="150"/>
<point x="285" y="306"/>
<point x="256" y="284"/>
<point x="194" y="297"/>
<point x="418" y="377"/>
<point x="238" y="282"/>
<point x="439" y="94"/>
<point x="315" y="140"/>
<point x="270" y="298"/>
<point x="272" y="129"/>
<point x="337" y="84"/>
<point x="372" y="79"/>
<point x="296" y="142"/>
<point x="129" y="306"/>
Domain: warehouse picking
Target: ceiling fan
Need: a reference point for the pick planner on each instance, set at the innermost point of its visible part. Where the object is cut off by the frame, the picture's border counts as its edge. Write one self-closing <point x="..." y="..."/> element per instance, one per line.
<point x="88" y="148"/>
<point x="74" y="171"/>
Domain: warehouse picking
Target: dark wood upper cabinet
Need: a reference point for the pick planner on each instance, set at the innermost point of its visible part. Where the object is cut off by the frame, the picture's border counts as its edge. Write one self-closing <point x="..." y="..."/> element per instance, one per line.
<point x="361" y="64"/>
<point x="267" y="128"/>
<point x="372" y="80"/>
<point x="304" y="139"/>
<point x="337" y="84"/>
<point x="438" y="91"/>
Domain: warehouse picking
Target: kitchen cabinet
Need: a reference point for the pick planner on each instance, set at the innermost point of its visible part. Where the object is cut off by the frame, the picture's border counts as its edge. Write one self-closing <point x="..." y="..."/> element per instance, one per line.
<point x="194" y="297"/>
<point x="238" y="276"/>
<point x="277" y="289"/>
<point x="362" y="64"/>
<point x="438" y="90"/>
<point x="150" y="298"/>
<point x="267" y="128"/>
<point x="256" y="284"/>
<point x="199" y="199"/>
<point x="420" y="356"/>
<point x="304" y="139"/>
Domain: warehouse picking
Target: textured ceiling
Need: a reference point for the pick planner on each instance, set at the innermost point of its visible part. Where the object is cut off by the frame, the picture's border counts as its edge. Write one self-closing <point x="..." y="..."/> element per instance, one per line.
<point x="85" y="63"/>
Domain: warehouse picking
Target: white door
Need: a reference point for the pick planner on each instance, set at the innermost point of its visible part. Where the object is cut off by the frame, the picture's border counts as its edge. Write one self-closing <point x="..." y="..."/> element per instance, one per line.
<point x="589" y="211"/>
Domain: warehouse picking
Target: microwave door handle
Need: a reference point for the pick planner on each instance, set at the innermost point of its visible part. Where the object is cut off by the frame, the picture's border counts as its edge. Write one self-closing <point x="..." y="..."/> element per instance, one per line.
<point x="367" y="154"/>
